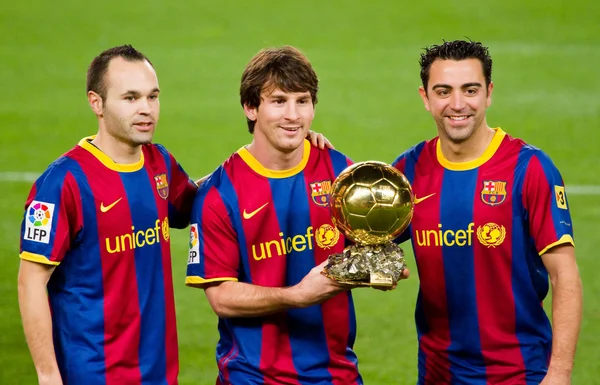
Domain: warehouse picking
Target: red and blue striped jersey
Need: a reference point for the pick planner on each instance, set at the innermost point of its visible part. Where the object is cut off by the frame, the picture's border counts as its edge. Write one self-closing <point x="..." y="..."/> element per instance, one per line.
<point x="105" y="226"/>
<point x="478" y="232"/>
<point x="270" y="228"/>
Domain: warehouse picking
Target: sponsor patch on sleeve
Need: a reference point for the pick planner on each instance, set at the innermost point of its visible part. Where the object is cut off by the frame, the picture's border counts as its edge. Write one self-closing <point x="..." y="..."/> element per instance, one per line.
<point x="38" y="222"/>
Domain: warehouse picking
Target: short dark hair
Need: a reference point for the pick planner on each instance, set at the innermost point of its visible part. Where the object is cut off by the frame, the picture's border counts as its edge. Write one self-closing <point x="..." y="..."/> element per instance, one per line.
<point x="456" y="50"/>
<point x="99" y="66"/>
<point x="285" y="68"/>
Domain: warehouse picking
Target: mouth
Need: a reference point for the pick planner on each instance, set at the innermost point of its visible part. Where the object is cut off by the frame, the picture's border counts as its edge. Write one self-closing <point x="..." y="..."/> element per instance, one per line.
<point x="144" y="126"/>
<point x="458" y="120"/>
<point x="290" y="128"/>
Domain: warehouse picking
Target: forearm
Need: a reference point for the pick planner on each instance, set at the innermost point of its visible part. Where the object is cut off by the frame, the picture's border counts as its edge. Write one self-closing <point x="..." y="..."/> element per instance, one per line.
<point x="238" y="299"/>
<point x="37" y="325"/>
<point x="567" y="305"/>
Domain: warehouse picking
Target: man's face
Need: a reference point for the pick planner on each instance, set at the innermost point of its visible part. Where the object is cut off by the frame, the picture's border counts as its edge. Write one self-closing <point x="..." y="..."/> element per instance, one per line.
<point x="457" y="97"/>
<point x="282" y="119"/>
<point x="131" y="107"/>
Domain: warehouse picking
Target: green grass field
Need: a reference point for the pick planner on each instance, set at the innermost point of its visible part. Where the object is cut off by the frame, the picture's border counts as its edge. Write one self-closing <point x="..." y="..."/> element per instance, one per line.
<point x="547" y="91"/>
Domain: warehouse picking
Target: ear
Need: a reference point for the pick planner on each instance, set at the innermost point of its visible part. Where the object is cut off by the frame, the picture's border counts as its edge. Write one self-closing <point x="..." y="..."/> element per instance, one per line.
<point x="96" y="103"/>
<point x="251" y="112"/>
<point x="423" y="94"/>
<point x="489" y="94"/>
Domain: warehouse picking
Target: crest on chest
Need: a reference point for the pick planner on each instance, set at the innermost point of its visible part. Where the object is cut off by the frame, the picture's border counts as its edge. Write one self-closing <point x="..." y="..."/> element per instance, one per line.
<point x="493" y="192"/>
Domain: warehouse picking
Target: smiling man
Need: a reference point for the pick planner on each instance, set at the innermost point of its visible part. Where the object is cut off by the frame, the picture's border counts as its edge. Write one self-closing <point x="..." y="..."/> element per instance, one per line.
<point x="257" y="243"/>
<point x="95" y="282"/>
<point x="491" y="223"/>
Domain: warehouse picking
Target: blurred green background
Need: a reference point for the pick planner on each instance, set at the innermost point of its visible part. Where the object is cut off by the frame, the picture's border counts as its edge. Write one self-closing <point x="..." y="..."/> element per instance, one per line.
<point x="547" y="91"/>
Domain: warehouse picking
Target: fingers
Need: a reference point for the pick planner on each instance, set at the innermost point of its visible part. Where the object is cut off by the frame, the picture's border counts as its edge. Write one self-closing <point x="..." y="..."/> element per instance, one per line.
<point x="319" y="140"/>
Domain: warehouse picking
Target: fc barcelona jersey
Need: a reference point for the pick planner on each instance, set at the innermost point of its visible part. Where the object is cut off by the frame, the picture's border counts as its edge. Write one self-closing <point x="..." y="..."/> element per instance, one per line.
<point x="105" y="227"/>
<point x="270" y="228"/>
<point x="478" y="232"/>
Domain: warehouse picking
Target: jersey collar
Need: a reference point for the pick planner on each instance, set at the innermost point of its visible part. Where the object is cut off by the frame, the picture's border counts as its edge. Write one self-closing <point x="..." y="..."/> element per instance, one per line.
<point x="276" y="174"/>
<point x="463" y="166"/>
<point x="105" y="160"/>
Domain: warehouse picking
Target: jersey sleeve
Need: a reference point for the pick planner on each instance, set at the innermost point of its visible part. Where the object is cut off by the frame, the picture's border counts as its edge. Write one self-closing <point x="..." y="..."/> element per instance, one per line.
<point x="53" y="217"/>
<point x="214" y="248"/>
<point x="400" y="165"/>
<point x="546" y="205"/>
<point x="181" y="195"/>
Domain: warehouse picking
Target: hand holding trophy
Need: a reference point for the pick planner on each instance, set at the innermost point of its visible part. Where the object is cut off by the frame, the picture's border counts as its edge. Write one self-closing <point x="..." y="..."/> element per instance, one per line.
<point x="371" y="203"/>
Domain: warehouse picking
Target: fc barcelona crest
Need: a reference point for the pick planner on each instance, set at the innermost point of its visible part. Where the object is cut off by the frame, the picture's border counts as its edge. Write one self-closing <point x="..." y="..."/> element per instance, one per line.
<point x="162" y="185"/>
<point x="319" y="191"/>
<point x="493" y="192"/>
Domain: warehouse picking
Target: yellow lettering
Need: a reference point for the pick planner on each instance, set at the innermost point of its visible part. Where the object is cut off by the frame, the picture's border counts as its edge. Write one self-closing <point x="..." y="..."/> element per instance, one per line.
<point x="116" y="249"/>
<point x="123" y="238"/>
<point x="451" y="241"/>
<point x="470" y="231"/>
<point x="139" y="243"/>
<point x="421" y="242"/>
<point x="435" y="237"/>
<point x="298" y="243"/>
<point x="262" y="252"/>
<point x="309" y="235"/>
<point x="461" y="235"/>
<point x="150" y="237"/>
<point x="268" y="247"/>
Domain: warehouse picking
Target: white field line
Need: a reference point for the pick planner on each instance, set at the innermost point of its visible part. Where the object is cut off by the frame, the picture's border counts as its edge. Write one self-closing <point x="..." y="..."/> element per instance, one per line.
<point x="30" y="177"/>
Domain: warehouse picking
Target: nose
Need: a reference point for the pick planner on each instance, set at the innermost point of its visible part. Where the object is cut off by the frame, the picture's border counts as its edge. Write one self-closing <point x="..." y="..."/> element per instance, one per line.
<point x="457" y="101"/>
<point x="291" y="111"/>
<point x="144" y="107"/>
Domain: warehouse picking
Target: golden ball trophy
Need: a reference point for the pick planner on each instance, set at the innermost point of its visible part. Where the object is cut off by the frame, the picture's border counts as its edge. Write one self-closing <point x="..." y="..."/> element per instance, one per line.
<point x="371" y="203"/>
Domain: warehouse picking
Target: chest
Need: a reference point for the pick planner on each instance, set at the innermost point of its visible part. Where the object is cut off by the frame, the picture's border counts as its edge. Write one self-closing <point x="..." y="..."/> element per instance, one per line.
<point x="127" y="210"/>
<point x="457" y="208"/>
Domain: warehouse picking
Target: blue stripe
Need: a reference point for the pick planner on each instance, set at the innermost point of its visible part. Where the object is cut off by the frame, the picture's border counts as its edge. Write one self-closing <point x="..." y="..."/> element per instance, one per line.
<point x="339" y="162"/>
<point x="149" y="274"/>
<point x="247" y="331"/>
<point x="198" y="269"/>
<point x="553" y="177"/>
<point x="529" y="283"/>
<point x="76" y="293"/>
<point x="177" y="220"/>
<point x="459" y="273"/>
<point x="305" y="326"/>
<point x="412" y="156"/>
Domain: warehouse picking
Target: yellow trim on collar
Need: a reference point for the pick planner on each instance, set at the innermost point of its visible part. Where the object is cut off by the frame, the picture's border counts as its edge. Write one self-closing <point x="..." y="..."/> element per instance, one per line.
<point x="105" y="160"/>
<point x="463" y="166"/>
<point x="276" y="174"/>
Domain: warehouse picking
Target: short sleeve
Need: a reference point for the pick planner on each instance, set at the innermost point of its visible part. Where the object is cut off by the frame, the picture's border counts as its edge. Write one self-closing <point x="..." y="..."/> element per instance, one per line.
<point x="214" y="253"/>
<point x="52" y="217"/>
<point x="546" y="204"/>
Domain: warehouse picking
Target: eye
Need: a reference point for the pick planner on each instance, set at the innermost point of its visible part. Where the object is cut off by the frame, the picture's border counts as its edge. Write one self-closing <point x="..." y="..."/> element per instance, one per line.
<point x="129" y="98"/>
<point x="303" y="101"/>
<point x="278" y="101"/>
<point x="443" y="93"/>
<point x="471" y="91"/>
<point x="153" y="97"/>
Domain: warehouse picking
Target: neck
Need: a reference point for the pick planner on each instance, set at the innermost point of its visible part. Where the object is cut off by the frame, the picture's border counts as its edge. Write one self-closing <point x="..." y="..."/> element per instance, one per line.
<point x="119" y="151"/>
<point x="273" y="159"/>
<point x="470" y="149"/>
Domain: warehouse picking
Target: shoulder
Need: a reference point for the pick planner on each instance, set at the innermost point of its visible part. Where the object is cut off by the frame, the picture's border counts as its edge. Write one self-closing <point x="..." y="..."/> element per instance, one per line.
<point x="414" y="152"/>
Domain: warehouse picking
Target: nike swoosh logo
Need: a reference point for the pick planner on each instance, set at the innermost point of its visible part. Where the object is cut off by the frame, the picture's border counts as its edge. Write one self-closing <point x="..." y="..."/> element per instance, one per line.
<point x="419" y="200"/>
<point x="110" y="206"/>
<point x="250" y="215"/>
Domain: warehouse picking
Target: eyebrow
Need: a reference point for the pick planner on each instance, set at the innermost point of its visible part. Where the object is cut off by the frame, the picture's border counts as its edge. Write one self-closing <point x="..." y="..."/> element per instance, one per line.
<point x="132" y="92"/>
<point x="448" y="86"/>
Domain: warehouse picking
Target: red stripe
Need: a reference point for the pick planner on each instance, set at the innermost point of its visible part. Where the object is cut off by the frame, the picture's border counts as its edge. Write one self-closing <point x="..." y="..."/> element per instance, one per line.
<point x="171" y="348"/>
<point x="493" y="275"/>
<point x="121" y="302"/>
<point x="538" y="202"/>
<point x="70" y="217"/>
<point x="336" y="311"/>
<point x="436" y="341"/>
